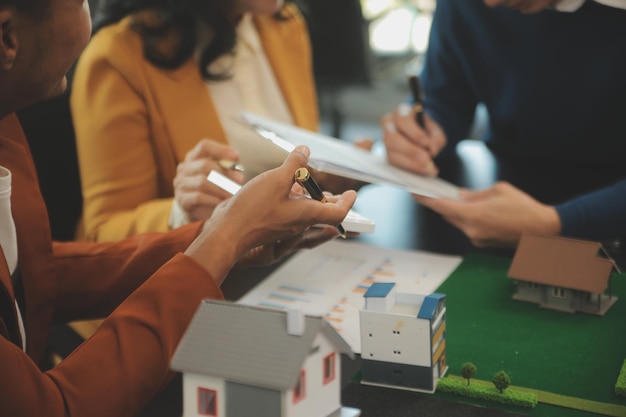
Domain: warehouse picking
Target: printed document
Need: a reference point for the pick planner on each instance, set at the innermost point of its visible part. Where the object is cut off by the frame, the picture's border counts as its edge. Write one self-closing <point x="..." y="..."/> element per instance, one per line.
<point x="330" y="281"/>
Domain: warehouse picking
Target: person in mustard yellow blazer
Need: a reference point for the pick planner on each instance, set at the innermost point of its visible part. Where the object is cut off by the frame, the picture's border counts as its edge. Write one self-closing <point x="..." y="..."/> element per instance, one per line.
<point x="144" y="105"/>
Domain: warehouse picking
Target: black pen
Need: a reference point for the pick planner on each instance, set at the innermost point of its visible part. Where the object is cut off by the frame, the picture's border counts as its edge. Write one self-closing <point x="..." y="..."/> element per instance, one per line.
<point x="305" y="179"/>
<point x="418" y="99"/>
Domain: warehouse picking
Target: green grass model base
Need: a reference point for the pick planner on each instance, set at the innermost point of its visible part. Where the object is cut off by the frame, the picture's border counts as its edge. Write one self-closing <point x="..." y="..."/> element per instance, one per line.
<point x="509" y="396"/>
<point x="620" y="385"/>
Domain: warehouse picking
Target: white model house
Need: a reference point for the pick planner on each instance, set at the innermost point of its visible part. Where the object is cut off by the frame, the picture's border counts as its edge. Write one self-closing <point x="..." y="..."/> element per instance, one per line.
<point x="403" y="338"/>
<point x="242" y="361"/>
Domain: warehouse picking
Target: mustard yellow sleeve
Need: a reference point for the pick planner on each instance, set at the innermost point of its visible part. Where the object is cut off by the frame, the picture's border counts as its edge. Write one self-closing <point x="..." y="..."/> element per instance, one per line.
<point x="118" y="171"/>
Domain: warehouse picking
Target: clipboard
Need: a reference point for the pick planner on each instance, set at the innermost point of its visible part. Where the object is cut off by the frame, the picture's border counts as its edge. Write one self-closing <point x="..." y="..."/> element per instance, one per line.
<point x="341" y="158"/>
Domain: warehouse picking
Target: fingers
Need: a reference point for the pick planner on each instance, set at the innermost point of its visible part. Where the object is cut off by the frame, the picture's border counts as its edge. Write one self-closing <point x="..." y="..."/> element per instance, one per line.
<point x="210" y="149"/>
<point x="499" y="188"/>
<point x="203" y="158"/>
<point x="308" y="239"/>
<point x="198" y="206"/>
<point x="404" y="121"/>
<point x="405" y="153"/>
<point x="198" y="184"/>
<point x="272" y="252"/>
<point x="202" y="167"/>
<point x="437" y="136"/>
<point x="315" y="236"/>
<point x="408" y="145"/>
<point x="364" y="143"/>
<point x="332" y="212"/>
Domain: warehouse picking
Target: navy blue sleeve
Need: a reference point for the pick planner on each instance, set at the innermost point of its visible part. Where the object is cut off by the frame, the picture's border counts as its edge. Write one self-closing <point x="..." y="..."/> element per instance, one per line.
<point x="448" y="96"/>
<point x="599" y="215"/>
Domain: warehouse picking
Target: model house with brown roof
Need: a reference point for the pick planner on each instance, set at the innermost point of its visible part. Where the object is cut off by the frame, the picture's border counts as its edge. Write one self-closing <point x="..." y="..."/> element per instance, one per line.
<point x="563" y="274"/>
<point x="241" y="361"/>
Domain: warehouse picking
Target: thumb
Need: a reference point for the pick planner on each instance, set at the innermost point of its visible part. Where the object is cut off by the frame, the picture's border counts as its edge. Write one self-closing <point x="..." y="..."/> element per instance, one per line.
<point x="299" y="157"/>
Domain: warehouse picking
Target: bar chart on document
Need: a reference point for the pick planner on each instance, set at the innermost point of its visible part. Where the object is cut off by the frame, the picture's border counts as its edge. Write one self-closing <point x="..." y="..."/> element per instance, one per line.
<point x="331" y="279"/>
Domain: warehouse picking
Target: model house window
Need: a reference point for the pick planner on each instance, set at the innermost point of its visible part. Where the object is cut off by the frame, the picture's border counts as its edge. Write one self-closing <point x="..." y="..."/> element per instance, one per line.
<point x="558" y="292"/>
<point x="533" y="285"/>
<point x="299" y="391"/>
<point x="329" y="368"/>
<point x="207" y="402"/>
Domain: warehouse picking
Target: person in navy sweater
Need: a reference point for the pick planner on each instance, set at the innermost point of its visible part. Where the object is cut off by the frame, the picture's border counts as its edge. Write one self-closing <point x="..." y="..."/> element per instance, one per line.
<point x="552" y="76"/>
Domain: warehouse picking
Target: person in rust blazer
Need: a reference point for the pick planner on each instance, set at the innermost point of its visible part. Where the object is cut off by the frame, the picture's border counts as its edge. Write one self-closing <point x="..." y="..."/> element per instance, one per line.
<point x="126" y="361"/>
<point x="135" y="121"/>
<point x="146" y="286"/>
<point x="64" y="281"/>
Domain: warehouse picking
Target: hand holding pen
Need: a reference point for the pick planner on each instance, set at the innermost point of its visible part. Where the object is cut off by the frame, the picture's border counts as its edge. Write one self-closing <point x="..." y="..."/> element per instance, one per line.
<point x="266" y="220"/>
<point x="195" y="197"/>
<point x="303" y="177"/>
<point x="412" y="139"/>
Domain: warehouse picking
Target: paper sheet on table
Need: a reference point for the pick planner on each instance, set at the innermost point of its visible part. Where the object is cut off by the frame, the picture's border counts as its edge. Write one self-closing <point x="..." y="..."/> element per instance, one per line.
<point x="331" y="279"/>
<point x="338" y="157"/>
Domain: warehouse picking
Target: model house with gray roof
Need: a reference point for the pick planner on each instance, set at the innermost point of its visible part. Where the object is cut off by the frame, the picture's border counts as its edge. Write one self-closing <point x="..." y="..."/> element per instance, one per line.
<point x="403" y="338"/>
<point x="242" y="361"/>
<point x="563" y="274"/>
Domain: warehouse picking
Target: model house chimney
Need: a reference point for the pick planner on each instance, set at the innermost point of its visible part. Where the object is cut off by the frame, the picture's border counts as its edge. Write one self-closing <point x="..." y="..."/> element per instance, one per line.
<point x="380" y="297"/>
<point x="295" y="322"/>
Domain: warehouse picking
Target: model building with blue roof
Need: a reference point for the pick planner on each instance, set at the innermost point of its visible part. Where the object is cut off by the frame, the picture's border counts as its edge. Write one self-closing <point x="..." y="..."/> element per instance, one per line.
<point x="403" y="338"/>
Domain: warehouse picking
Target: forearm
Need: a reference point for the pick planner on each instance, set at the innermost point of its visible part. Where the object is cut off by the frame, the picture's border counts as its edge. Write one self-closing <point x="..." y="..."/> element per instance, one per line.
<point x="125" y="363"/>
<point x="95" y="278"/>
<point x="598" y="215"/>
<point x="219" y="246"/>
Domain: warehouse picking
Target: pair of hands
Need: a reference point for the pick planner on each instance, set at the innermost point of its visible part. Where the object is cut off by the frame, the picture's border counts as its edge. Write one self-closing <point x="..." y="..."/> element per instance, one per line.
<point x="267" y="219"/>
<point x="198" y="198"/>
<point x="495" y="217"/>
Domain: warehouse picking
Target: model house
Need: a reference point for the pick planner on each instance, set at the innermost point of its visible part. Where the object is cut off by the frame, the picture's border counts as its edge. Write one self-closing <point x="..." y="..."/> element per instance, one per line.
<point x="242" y="361"/>
<point x="563" y="274"/>
<point x="403" y="338"/>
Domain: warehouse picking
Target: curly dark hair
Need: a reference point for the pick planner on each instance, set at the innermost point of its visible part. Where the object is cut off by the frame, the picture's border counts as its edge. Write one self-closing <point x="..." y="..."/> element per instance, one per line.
<point x="170" y="35"/>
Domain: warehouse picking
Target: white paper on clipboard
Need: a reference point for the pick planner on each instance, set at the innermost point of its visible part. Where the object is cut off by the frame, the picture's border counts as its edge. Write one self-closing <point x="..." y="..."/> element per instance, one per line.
<point x="338" y="157"/>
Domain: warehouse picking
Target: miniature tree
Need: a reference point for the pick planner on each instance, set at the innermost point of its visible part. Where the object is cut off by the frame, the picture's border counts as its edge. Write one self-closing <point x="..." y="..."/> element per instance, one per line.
<point x="501" y="381"/>
<point x="468" y="370"/>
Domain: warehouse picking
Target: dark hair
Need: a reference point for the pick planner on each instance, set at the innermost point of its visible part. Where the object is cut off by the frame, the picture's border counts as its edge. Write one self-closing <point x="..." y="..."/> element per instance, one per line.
<point x="169" y="29"/>
<point x="36" y="9"/>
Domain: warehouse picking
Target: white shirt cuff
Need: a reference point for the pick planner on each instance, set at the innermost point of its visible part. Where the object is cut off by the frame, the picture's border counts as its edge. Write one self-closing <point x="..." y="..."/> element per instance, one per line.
<point x="177" y="216"/>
